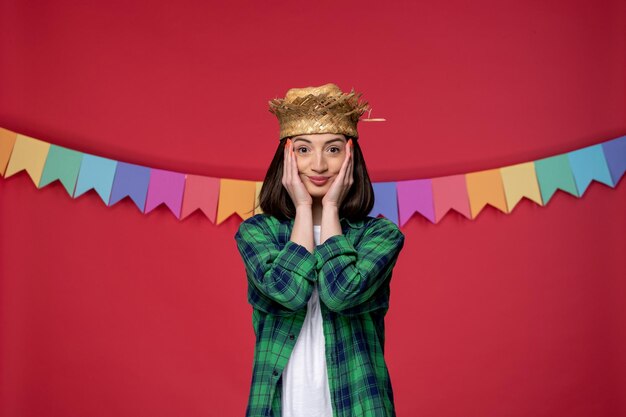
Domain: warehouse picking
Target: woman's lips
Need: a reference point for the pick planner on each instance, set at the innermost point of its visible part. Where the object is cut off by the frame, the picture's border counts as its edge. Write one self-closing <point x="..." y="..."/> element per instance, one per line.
<point x="318" y="180"/>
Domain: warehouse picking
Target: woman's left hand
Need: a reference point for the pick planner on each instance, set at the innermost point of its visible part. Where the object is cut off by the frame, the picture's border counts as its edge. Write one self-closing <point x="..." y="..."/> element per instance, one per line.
<point x="343" y="181"/>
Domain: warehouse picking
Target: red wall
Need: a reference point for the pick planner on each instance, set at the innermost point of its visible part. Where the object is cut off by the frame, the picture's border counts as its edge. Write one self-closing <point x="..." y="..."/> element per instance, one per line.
<point x="106" y="311"/>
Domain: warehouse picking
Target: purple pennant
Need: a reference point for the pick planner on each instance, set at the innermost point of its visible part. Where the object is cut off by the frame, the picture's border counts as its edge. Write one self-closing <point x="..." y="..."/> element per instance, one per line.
<point x="166" y="187"/>
<point x="130" y="180"/>
<point x="385" y="201"/>
<point x="415" y="196"/>
<point x="615" y="155"/>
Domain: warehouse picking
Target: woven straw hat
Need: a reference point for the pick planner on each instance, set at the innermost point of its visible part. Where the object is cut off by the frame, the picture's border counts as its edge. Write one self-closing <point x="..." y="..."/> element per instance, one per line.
<point x="323" y="109"/>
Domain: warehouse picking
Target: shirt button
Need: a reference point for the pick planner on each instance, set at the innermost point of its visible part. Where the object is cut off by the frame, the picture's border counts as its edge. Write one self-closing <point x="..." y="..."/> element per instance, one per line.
<point x="275" y="373"/>
<point x="291" y="336"/>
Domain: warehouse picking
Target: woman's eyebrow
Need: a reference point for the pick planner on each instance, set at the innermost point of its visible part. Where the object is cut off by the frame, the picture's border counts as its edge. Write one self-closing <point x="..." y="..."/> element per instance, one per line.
<point x="328" y="141"/>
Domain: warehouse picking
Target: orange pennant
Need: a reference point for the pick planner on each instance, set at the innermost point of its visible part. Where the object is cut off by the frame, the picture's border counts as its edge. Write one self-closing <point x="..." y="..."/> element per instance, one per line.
<point x="236" y="196"/>
<point x="7" y="142"/>
<point x="485" y="187"/>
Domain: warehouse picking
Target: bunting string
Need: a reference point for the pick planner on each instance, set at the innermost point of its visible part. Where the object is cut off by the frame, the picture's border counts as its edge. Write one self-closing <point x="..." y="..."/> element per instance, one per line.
<point x="219" y="198"/>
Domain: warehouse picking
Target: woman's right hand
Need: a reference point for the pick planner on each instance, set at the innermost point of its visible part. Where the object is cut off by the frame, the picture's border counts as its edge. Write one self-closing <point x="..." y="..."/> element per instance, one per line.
<point x="291" y="178"/>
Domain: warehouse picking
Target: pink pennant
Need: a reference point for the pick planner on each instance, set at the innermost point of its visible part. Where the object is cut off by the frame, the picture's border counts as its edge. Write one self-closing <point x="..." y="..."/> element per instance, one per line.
<point x="450" y="193"/>
<point x="201" y="193"/>
<point x="415" y="196"/>
<point x="165" y="187"/>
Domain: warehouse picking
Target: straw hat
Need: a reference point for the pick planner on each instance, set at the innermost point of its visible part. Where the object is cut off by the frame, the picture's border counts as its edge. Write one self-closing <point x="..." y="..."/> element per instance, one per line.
<point x="323" y="109"/>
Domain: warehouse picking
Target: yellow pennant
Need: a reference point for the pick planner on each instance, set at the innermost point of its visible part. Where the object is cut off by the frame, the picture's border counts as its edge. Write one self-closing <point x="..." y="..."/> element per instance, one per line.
<point x="29" y="154"/>
<point x="520" y="181"/>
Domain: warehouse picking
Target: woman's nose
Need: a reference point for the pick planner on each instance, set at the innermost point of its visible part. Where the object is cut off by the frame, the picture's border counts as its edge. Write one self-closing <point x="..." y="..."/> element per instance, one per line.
<point x="319" y="163"/>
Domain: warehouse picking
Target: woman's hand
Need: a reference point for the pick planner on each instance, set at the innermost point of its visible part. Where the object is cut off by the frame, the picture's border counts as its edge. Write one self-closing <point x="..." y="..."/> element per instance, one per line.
<point x="291" y="179"/>
<point x="343" y="181"/>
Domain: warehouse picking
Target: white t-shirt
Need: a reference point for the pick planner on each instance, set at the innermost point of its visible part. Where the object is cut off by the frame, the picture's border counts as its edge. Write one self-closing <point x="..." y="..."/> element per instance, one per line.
<point x="306" y="392"/>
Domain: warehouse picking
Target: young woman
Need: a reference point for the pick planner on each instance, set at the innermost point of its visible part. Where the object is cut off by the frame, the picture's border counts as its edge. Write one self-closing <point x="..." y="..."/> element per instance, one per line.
<point x="319" y="268"/>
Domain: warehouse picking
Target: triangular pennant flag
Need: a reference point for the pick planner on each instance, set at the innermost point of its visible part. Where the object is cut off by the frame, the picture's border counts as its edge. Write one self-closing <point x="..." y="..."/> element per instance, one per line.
<point x="450" y="192"/>
<point x="615" y="155"/>
<point x="29" y="154"/>
<point x="7" y="141"/>
<point x="236" y="196"/>
<point x="520" y="181"/>
<point x="131" y="180"/>
<point x="166" y="187"/>
<point x="415" y="196"/>
<point x="64" y="165"/>
<point x="201" y="193"/>
<point x="588" y="164"/>
<point x="554" y="173"/>
<point x="485" y="187"/>
<point x="385" y="201"/>
<point x="97" y="173"/>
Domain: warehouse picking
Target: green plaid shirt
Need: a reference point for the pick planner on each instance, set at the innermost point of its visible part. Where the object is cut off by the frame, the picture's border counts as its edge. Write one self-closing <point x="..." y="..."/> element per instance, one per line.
<point x="353" y="272"/>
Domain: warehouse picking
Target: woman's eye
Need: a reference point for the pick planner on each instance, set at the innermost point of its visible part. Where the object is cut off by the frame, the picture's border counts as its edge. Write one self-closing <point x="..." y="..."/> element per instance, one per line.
<point x="301" y="148"/>
<point x="336" y="148"/>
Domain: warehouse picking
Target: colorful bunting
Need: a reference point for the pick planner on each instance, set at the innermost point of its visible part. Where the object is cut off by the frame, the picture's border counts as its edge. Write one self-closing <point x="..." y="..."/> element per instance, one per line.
<point x="219" y="198"/>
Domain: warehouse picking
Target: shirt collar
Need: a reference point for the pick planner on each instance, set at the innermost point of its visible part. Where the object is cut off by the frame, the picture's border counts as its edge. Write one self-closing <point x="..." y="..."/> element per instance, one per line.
<point x="355" y="224"/>
<point x="345" y="222"/>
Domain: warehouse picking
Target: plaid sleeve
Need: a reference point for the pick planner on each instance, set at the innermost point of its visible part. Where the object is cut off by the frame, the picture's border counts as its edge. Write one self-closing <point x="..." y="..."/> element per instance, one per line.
<point x="283" y="274"/>
<point x="349" y="275"/>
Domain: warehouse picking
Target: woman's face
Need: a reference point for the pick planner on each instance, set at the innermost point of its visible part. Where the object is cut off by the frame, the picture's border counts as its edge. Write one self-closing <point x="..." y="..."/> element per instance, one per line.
<point x="319" y="156"/>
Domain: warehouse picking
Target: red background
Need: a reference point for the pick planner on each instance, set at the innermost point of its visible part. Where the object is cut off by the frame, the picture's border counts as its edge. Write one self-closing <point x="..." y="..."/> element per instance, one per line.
<point x="106" y="311"/>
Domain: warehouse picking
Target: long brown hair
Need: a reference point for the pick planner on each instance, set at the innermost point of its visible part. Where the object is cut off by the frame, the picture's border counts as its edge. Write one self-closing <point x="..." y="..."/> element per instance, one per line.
<point x="275" y="200"/>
